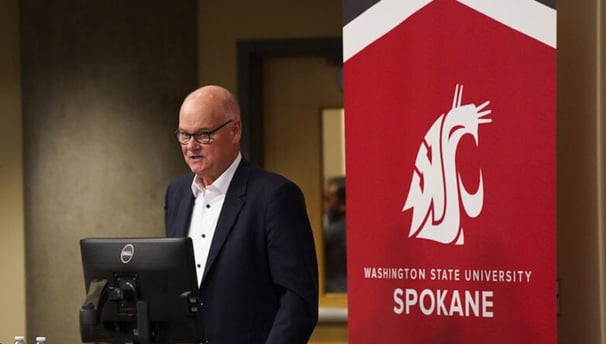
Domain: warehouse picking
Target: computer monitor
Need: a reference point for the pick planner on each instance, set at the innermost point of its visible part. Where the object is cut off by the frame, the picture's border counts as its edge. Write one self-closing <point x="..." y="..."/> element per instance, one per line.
<point x="140" y="290"/>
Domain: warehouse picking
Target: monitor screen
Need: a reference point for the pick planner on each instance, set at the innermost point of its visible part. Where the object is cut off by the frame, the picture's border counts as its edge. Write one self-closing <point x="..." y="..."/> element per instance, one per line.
<point x="140" y="290"/>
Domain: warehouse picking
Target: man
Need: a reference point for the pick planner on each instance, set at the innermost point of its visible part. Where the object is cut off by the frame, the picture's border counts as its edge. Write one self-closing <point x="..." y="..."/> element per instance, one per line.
<point x="335" y="236"/>
<point x="253" y="243"/>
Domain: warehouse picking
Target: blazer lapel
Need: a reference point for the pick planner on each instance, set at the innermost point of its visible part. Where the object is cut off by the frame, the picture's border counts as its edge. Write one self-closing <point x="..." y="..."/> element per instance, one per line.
<point x="182" y="204"/>
<point x="234" y="199"/>
<point x="185" y="210"/>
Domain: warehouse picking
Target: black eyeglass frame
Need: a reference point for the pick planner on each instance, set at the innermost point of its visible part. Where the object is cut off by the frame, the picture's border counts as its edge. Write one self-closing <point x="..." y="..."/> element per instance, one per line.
<point x="202" y="137"/>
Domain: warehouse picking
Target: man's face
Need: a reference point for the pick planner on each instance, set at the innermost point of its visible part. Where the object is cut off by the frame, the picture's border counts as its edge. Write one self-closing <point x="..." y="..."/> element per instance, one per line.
<point x="333" y="208"/>
<point x="209" y="161"/>
<point x="331" y="201"/>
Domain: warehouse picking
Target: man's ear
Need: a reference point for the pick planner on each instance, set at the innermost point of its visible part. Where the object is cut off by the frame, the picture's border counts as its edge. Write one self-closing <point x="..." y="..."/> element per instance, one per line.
<point x="237" y="131"/>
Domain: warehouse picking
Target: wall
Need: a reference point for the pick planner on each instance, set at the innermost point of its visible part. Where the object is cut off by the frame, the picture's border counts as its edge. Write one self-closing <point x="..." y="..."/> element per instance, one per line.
<point x="580" y="173"/>
<point x="222" y="23"/>
<point x="102" y="85"/>
<point x="12" y="257"/>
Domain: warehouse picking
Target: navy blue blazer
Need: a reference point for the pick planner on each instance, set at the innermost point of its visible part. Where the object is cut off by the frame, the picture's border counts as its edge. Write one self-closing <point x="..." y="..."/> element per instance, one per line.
<point x="260" y="284"/>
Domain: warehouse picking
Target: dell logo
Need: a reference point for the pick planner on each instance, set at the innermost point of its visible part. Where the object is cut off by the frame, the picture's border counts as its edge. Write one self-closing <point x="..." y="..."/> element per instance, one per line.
<point x="128" y="251"/>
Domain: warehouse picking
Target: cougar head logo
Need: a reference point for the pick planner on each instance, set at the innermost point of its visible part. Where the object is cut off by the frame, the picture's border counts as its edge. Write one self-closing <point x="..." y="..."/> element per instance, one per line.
<point x="437" y="193"/>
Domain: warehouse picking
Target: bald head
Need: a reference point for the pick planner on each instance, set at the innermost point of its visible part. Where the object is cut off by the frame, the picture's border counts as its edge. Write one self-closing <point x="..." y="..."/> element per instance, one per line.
<point x="213" y="97"/>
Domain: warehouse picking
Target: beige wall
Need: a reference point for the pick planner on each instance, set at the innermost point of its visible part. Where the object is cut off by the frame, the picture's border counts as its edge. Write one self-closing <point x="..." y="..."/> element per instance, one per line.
<point x="222" y="23"/>
<point x="102" y="85"/>
<point x="12" y="257"/>
<point x="580" y="173"/>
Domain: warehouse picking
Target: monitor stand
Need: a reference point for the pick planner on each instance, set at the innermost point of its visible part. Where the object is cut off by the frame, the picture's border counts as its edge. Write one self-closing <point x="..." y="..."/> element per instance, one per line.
<point x="100" y="292"/>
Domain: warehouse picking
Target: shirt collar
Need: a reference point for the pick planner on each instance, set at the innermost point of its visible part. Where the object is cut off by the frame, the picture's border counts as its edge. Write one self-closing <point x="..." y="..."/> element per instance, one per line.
<point x="222" y="183"/>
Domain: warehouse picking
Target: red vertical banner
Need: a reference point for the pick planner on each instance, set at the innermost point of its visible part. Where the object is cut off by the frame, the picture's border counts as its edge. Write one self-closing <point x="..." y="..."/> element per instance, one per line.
<point x="450" y="140"/>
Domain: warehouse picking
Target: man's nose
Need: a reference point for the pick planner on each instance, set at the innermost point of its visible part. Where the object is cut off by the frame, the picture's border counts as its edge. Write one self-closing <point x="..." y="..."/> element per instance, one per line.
<point x="193" y="144"/>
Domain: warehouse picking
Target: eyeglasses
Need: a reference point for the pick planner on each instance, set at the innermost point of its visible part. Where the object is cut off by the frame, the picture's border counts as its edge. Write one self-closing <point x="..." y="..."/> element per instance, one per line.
<point x="201" y="137"/>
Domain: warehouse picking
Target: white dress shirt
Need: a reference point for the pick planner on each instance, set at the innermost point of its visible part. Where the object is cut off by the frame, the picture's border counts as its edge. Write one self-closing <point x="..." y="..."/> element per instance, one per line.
<point x="207" y="207"/>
